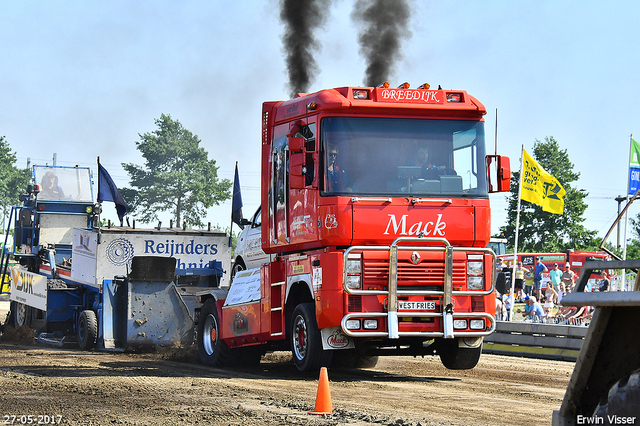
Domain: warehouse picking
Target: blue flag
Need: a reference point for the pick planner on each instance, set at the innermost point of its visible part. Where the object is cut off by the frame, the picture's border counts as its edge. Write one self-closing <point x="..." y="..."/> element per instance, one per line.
<point x="108" y="191"/>
<point x="236" y="203"/>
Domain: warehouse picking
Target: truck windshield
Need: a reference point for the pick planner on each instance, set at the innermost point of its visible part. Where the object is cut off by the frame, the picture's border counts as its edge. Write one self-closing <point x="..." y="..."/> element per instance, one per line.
<point x="63" y="183"/>
<point x="398" y="156"/>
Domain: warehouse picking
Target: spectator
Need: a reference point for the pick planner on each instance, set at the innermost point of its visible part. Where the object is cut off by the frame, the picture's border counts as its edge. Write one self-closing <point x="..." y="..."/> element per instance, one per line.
<point x="555" y="274"/>
<point x="532" y="309"/>
<point x="501" y="278"/>
<point x="605" y="284"/>
<point x="500" y="313"/>
<point x="507" y="273"/>
<point x="568" y="277"/>
<point x="550" y="296"/>
<point x="519" y="283"/>
<point x="537" y="277"/>
<point x="561" y="293"/>
<point x="507" y="301"/>
<point x="528" y="283"/>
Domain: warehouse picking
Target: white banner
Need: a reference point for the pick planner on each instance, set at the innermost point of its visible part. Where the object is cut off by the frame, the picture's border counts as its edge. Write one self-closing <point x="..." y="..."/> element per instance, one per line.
<point x="28" y="288"/>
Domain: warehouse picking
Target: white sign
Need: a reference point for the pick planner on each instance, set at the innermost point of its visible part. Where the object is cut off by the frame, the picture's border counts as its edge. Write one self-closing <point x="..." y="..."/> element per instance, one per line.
<point x="108" y="254"/>
<point x="245" y="288"/>
<point x="28" y="288"/>
<point x="85" y="247"/>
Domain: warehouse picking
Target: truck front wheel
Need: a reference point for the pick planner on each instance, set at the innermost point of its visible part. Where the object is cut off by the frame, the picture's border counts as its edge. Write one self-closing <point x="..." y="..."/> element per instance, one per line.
<point x="87" y="330"/>
<point x="306" y="340"/>
<point x="623" y="398"/>
<point x="455" y="357"/>
<point x="212" y="349"/>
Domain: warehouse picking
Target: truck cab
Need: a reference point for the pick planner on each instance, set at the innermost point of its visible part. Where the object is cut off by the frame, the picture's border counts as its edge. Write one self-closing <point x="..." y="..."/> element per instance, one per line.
<point x="374" y="224"/>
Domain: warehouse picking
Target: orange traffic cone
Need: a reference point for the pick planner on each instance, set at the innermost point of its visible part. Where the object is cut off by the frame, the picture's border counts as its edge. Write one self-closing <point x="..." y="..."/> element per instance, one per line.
<point x="323" y="398"/>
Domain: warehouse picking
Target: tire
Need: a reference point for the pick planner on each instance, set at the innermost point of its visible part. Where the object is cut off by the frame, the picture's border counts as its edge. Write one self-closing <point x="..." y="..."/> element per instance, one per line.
<point x="87" y="330"/>
<point x="306" y="340"/>
<point x="454" y="357"/>
<point x="20" y="314"/>
<point x="238" y="266"/>
<point x="623" y="398"/>
<point x="213" y="351"/>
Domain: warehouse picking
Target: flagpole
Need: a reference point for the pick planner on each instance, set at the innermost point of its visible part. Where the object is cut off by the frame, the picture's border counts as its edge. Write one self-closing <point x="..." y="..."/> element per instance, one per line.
<point x="97" y="198"/>
<point x="515" y="245"/>
<point x="626" y="214"/>
<point x="232" y="195"/>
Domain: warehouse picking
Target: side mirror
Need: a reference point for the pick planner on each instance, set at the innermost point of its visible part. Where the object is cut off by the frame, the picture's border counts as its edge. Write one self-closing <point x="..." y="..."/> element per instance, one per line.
<point x="297" y="170"/>
<point x="296" y="144"/>
<point x="498" y="173"/>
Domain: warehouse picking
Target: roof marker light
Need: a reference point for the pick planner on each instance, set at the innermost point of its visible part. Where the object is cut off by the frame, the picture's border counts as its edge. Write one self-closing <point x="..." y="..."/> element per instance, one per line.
<point x="384" y="85"/>
<point x="404" y="85"/>
<point x="424" y="86"/>
<point x="360" y="94"/>
<point x="312" y="106"/>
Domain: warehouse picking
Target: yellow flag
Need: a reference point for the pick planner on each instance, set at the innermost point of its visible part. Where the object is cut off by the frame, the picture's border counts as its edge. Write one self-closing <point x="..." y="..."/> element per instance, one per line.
<point x="539" y="187"/>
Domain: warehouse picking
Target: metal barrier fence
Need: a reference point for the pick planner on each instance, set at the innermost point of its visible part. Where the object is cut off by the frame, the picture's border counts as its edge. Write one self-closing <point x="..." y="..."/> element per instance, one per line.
<point x="536" y="340"/>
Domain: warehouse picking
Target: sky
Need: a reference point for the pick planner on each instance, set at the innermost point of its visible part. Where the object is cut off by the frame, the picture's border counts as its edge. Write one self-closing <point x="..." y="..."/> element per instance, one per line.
<point x="82" y="79"/>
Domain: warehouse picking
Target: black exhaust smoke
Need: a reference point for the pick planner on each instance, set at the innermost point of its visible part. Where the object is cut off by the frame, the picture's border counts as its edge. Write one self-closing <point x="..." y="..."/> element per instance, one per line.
<point x="382" y="25"/>
<point x="301" y="19"/>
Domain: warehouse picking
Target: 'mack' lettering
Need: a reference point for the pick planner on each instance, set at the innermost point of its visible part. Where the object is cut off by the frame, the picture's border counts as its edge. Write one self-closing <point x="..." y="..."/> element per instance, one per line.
<point x="428" y="228"/>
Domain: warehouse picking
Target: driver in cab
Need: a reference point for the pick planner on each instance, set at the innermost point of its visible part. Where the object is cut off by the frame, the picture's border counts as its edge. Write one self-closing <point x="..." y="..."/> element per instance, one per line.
<point x="421" y="159"/>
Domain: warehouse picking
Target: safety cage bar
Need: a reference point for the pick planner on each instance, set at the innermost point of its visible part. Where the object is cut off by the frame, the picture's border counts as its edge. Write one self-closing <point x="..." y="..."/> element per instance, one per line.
<point x="392" y="291"/>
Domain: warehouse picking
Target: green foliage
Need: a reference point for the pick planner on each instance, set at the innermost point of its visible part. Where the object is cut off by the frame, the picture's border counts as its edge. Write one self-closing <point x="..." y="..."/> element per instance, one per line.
<point x="234" y="239"/>
<point x="547" y="232"/>
<point x="177" y="176"/>
<point x="13" y="181"/>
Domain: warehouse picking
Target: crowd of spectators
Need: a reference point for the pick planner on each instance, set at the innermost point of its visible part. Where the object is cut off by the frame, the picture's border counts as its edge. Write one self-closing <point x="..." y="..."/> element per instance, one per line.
<point x="542" y="298"/>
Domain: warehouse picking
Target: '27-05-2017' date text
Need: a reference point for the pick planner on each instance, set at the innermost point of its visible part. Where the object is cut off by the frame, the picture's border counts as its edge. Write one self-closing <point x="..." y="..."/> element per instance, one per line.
<point x="31" y="419"/>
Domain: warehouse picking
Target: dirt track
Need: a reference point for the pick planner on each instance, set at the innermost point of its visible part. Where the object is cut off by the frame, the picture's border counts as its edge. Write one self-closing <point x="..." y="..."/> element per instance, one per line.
<point x="173" y="388"/>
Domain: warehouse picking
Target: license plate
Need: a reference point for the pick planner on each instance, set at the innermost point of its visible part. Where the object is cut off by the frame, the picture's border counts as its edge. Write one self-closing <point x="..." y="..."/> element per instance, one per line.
<point x="404" y="305"/>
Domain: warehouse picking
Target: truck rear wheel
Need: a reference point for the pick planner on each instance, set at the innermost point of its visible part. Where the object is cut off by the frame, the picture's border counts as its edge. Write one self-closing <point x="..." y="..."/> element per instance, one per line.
<point x="455" y="357"/>
<point x="306" y="340"/>
<point x="623" y="398"/>
<point x="20" y="314"/>
<point x="87" y="330"/>
<point x="212" y="349"/>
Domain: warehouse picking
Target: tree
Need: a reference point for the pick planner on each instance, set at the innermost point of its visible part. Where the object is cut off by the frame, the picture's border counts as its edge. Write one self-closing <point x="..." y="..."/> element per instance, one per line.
<point x="177" y="176"/>
<point x="13" y="181"/>
<point x="548" y="232"/>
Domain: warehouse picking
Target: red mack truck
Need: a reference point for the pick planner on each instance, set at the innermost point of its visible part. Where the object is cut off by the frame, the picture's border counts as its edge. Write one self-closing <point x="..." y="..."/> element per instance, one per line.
<point x="371" y="235"/>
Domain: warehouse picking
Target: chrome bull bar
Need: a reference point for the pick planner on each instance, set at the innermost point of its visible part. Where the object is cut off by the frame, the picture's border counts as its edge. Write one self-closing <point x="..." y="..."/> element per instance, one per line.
<point x="392" y="291"/>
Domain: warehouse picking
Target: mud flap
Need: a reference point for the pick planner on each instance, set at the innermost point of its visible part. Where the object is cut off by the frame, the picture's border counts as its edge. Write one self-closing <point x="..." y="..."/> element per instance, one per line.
<point x="333" y="338"/>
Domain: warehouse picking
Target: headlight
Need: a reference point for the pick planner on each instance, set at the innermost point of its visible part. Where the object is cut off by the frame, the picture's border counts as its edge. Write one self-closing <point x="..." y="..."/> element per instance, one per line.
<point x="476" y="324"/>
<point x="353" y="282"/>
<point x="475" y="283"/>
<point x="353" y="266"/>
<point x="353" y="324"/>
<point x="370" y="324"/>
<point x="474" y="268"/>
<point x="460" y="324"/>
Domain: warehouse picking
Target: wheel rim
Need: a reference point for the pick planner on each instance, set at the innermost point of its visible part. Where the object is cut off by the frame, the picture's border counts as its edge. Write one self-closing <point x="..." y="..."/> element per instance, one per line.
<point x="236" y="268"/>
<point x="210" y="334"/>
<point x="300" y="345"/>
<point x="21" y="314"/>
<point x="82" y="329"/>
